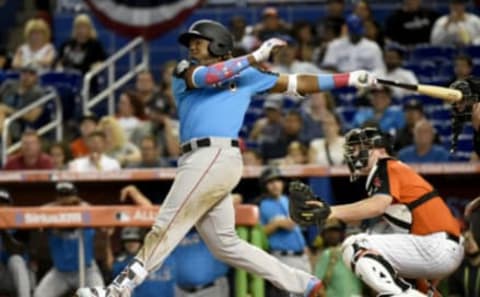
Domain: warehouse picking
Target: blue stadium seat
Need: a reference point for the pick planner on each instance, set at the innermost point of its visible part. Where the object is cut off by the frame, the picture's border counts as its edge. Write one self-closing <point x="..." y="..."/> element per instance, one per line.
<point x="345" y="96"/>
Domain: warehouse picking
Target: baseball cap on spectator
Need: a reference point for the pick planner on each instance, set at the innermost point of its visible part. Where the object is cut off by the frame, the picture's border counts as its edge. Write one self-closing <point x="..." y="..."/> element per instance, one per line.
<point x="65" y="189"/>
<point x="273" y="104"/>
<point x="5" y="197"/>
<point x="131" y="234"/>
<point x="380" y="88"/>
<point x="354" y="25"/>
<point x="413" y="105"/>
<point x="270" y="12"/>
<point x="89" y="117"/>
<point x="334" y="224"/>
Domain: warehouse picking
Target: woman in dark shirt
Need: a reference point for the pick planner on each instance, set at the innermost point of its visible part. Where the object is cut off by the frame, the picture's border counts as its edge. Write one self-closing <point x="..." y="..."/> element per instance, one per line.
<point x="83" y="50"/>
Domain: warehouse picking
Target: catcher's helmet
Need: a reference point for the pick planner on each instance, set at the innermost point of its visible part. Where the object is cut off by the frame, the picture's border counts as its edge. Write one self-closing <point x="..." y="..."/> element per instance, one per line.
<point x="357" y="144"/>
<point x="268" y="174"/>
<point x="221" y="40"/>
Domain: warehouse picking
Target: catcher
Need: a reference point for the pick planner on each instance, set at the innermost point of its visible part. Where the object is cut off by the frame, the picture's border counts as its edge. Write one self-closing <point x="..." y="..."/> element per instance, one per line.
<point x="428" y="243"/>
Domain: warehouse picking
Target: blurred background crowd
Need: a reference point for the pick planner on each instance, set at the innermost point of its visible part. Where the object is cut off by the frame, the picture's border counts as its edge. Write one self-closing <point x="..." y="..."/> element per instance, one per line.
<point x="413" y="42"/>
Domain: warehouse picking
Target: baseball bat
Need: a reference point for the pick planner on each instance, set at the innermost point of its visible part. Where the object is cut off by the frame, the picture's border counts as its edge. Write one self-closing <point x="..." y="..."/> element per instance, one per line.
<point x="443" y="93"/>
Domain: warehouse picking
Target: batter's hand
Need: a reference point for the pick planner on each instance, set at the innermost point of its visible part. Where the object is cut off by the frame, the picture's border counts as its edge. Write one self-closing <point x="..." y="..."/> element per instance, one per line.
<point x="362" y="79"/>
<point x="265" y="50"/>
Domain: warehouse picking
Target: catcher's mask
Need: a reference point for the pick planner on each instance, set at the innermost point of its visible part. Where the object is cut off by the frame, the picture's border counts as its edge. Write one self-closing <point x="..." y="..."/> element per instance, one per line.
<point x="358" y="143"/>
<point x="462" y="110"/>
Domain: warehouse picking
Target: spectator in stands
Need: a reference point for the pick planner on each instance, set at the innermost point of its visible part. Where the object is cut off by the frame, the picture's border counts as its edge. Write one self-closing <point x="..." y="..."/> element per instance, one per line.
<point x="252" y="157"/>
<point x="330" y="268"/>
<point x="296" y="154"/>
<point x="83" y="50"/>
<point x="14" y="273"/>
<point x="268" y="130"/>
<point x="96" y="160"/>
<point x="463" y="67"/>
<point x="30" y="156"/>
<point x="198" y="272"/>
<point x="271" y="25"/>
<point x="151" y="157"/>
<point x="15" y="95"/>
<point x="305" y="36"/>
<point x="161" y="281"/>
<point x="63" y="244"/>
<point x="423" y="150"/>
<point x="37" y="49"/>
<point x="88" y="124"/>
<point x="458" y="27"/>
<point x="411" y="24"/>
<point x="166" y="86"/>
<point x="146" y="88"/>
<point x="389" y="118"/>
<point x="117" y="144"/>
<point x="60" y="154"/>
<point x="285" y="61"/>
<point x="318" y="107"/>
<point x="373" y="30"/>
<point x="393" y="58"/>
<point x="413" y="112"/>
<point x="353" y="51"/>
<point x="286" y="241"/>
<point x="328" y="151"/>
<point x="164" y="128"/>
<point x="242" y="36"/>
<point x="130" y="112"/>
<point x="331" y="26"/>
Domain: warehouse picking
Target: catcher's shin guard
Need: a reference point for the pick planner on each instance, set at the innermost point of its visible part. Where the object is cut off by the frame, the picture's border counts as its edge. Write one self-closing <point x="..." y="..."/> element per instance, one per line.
<point x="374" y="270"/>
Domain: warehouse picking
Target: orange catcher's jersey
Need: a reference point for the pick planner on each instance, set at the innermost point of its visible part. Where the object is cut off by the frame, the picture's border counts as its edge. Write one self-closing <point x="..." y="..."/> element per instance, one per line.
<point x="395" y="178"/>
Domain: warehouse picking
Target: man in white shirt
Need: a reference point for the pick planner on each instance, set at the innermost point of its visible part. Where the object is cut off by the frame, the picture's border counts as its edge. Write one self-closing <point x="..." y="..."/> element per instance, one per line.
<point x="457" y="28"/>
<point x="285" y="61"/>
<point x="96" y="160"/>
<point x="393" y="58"/>
<point x="353" y="51"/>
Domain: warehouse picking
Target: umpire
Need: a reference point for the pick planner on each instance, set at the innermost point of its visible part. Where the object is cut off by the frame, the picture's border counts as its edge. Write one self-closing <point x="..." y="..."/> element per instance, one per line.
<point x="286" y="241"/>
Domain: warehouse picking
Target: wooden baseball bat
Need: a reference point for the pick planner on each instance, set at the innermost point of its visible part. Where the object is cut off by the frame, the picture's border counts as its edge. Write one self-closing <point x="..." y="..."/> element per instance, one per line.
<point x="442" y="93"/>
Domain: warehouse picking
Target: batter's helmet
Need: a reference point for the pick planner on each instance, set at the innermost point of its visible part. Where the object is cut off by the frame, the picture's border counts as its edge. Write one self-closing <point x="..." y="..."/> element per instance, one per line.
<point x="221" y="40"/>
<point x="131" y="234"/>
<point x="5" y="197"/>
<point x="268" y="174"/>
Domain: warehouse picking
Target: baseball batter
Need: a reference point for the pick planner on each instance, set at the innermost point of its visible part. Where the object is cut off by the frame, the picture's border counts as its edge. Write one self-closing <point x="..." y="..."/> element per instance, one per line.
<point x="432" y="250"/>
<point x="212" y="92"/>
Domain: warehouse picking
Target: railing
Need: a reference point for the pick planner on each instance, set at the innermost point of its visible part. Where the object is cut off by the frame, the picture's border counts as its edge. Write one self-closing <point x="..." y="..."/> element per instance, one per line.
<point x="56" y="124"/>
<point x="114" y="83"/>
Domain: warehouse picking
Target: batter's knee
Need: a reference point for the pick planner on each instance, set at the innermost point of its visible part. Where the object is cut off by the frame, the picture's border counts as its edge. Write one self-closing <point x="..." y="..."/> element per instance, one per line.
<point x="16" y="262"/>
<point x="225" y="248"/>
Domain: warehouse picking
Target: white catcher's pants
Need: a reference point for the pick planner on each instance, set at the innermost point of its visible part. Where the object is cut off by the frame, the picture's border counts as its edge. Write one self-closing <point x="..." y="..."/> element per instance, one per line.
<point x="200" y="196"/>
<point x="430" y="256"/>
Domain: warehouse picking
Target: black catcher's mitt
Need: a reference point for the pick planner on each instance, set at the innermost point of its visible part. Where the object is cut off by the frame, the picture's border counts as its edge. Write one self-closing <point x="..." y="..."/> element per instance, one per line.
<point x="302" y="213"/>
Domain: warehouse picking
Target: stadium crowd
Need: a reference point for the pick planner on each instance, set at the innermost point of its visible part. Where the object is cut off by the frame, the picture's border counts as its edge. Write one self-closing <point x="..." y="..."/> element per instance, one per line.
<point x="286" y="130"/>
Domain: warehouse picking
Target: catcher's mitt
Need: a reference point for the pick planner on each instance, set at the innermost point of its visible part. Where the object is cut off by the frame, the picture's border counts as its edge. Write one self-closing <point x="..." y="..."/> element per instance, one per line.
<point x="302" y="213"/>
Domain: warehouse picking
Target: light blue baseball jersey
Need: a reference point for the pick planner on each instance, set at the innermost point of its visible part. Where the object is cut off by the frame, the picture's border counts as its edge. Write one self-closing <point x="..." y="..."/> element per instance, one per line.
<point x="218" y="111"/>
<point x="64" y="248"/>
<point x="196" y="266"/>
<point x="280" y="240"/>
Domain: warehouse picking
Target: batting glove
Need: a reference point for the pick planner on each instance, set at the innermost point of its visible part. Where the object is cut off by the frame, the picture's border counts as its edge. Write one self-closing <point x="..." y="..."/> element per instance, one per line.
<point x="264" y="51"/>
<point x="362" y="79"/>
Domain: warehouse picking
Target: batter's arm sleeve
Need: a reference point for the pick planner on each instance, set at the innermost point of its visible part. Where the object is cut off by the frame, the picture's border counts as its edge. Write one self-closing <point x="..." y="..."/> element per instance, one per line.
<point x="203" y="76"/>
<point x="304" y="84"/>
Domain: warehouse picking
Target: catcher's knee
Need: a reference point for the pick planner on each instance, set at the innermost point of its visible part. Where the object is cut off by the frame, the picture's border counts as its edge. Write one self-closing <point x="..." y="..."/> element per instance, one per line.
<point x="371" y="267"/>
